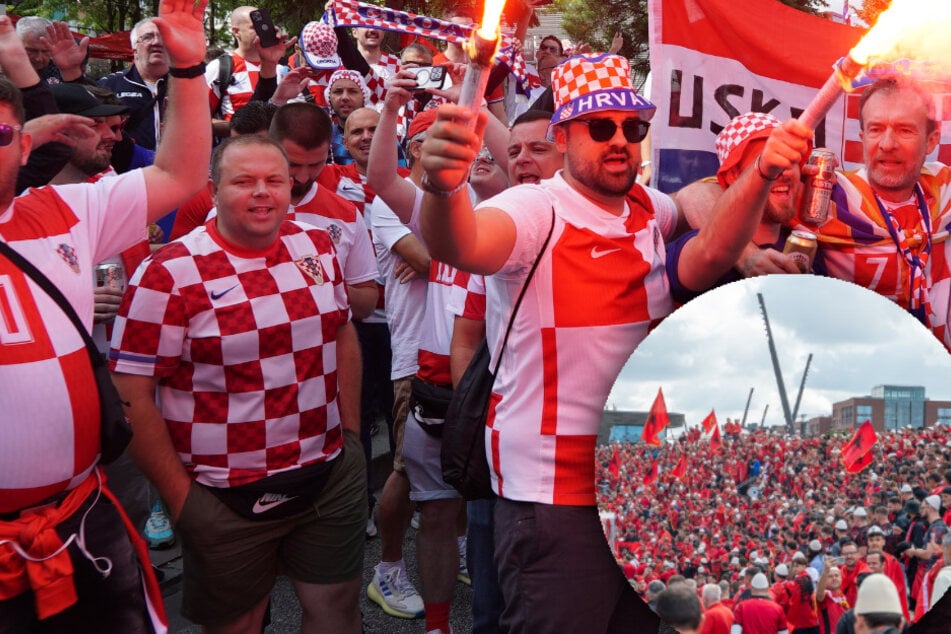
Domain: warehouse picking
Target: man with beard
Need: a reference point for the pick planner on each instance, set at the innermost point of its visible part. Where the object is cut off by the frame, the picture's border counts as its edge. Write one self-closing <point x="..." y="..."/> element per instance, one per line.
<point x="143" y="86"/>
<point x="599" y="287"/>
<point x="346" y="92"/>
<point x="92" y="154"/>
<point x="303" y="130"/>
<point x="738" y="145"/>
<point x="880" y="561"/>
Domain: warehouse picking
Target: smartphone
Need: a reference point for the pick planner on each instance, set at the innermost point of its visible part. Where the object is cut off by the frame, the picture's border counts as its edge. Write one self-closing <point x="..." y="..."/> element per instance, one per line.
<point x="264" y="27"/>
<point x="429" y="76"/>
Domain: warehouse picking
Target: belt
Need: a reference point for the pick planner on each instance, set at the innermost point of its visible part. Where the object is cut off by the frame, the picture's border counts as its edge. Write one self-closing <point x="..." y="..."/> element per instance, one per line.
<point x="51" y="502"/>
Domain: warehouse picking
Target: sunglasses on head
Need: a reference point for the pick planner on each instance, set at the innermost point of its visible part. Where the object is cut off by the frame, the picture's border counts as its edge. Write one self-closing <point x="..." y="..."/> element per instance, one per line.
<point x="602" y="130"/>
<point x="6" y="133"/>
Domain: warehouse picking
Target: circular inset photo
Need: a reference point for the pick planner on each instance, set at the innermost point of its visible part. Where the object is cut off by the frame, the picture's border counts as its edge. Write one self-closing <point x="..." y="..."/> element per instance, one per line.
<point x="778" y="441"/>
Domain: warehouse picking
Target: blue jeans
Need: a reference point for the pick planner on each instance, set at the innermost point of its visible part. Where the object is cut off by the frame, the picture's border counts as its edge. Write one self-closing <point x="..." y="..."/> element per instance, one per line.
<point x="487" y="601"/>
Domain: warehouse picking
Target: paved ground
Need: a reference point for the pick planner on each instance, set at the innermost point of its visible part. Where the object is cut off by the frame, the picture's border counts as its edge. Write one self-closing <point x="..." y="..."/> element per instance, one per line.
<point x="285" y="613"/>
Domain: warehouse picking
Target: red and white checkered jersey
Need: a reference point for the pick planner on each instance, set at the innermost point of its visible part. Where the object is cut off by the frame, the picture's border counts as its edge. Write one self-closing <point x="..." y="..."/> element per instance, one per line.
<point x="469" y="301"/>
<point x="405" y="303"/>
<point x="855" y="244"/>
<point x="940" y="293"/>
<point x="243" y="345"/>
<point x="322" y="208"/>
<point x="599" y="288"/>
<point x="50" y="420"/>
<point x="379" y="73"/>
<point x="244" y="79"/>
<point x="436" y="334"/>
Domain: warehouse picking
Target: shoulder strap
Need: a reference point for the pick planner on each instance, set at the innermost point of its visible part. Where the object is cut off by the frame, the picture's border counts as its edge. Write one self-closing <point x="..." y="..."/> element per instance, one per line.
<point x="521" y="294"/>
<point x="55" y="294"/>
<point x="225" y="73"/>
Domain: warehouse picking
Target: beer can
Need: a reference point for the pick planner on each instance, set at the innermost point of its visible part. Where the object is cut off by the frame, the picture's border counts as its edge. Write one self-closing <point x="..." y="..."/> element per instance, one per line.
<point x="110" y="275"/>
<point x="818" y="189"/>
<point x="801" y="247"/>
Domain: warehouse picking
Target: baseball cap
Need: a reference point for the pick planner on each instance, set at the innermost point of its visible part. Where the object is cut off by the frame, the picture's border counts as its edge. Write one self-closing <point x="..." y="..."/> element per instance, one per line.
<point x="74" y="99"/>
<point x="877" y="595"/>
<point x="318" y="46"/>
<point x="421" y="122"/>
<point x="737" y="135"/>
<point x="934" y="502"/>
<point x="596" y="83"/>
<point x="759" y="581"/>
<point x="841" y="526"/>
<point x="874" y="530"/>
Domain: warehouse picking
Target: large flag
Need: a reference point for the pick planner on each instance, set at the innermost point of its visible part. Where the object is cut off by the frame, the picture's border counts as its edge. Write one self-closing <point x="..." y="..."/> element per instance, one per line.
<point x="657" y="420"/>
<point x="652" y="473"/>
<point x="709" y="422"/>
<point x="857" y="453"/>
<point x="712" y="60"/>
<point x="680" y="469"/>
<point x="615" y="466"/>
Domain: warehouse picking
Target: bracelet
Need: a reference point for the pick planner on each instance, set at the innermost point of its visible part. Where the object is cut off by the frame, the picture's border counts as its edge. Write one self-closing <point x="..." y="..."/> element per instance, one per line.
<point x="761" y="174"/>
<point x="187" y="73"/>
<point x="429" y="188"/>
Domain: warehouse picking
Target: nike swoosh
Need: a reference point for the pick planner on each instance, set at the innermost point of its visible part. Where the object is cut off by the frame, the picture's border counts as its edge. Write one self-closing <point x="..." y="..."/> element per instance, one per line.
<point x="221" y="294"/>
<point x="261" y="507"/>
<point x="596" y="253"/>
<point x="349" y="188"/>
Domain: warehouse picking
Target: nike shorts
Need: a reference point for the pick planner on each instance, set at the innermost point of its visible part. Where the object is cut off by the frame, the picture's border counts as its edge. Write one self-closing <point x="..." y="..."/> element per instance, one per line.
<point x="231" y="563"/>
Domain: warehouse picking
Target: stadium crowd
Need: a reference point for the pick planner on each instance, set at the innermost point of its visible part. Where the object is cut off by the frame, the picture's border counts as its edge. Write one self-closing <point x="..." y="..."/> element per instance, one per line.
<point x="783" y="507"/>
<point x="339" y="256"/>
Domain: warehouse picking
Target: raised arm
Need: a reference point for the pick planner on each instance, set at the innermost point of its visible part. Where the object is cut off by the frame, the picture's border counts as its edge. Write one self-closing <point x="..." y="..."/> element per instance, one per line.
<point x="382" y="177"/>
<point x="737" y="212"/>
<point x="181" y="162"/>
<point x="477" y="242"/>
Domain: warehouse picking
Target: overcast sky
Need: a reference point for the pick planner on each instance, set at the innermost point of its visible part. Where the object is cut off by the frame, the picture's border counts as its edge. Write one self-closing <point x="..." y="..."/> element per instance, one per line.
<point x="709" y="353"/>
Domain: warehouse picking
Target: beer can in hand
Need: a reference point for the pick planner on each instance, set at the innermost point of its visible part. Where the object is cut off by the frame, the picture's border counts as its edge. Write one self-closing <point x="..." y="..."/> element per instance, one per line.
<point x="110" y="276"/>
<point x="818" y="190"/>
<point x="801" y="247"/>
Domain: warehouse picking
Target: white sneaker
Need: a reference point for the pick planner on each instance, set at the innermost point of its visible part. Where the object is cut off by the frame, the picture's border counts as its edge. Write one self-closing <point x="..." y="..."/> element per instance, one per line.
<point x="394" y="593"/>
<point x="371" y="527"/>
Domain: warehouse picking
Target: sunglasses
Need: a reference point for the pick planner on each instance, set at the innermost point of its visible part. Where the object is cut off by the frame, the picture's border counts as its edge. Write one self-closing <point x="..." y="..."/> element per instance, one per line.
<point x="602" y="130"/>
<point x="6" y="133"/>
<point x="485" y="155"/>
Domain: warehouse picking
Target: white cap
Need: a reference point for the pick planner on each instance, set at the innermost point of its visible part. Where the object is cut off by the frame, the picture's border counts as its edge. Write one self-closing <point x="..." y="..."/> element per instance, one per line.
<point x="906" y="488"/>
<point x="782" y="570"/>
<point x="815" y="546"/>
<point x="860" y="512"/>
<point x="759" y="581"/>
<point x="934" y="502"/>
<point x="877" y="595"/>
<point x="841" y="526"/>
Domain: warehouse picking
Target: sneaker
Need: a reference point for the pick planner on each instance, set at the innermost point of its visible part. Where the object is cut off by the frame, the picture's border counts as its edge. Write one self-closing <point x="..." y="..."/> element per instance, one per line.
<point x="371" y="527"/>
<point x="463" y="573"/>
<point x="395" y="593"/>
<point x="158" y="530"/>
<point x="415" y="521"/>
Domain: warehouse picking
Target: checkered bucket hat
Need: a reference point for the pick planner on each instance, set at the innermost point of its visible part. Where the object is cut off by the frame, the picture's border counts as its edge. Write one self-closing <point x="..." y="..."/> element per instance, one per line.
<point x="596" y="83"/>
<point x="737" y="135"/>
<point x="318" y="45"/>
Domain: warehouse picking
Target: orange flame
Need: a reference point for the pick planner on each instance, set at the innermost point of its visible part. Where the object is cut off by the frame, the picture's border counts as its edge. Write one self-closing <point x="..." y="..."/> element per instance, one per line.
<point x="491" y="16"/>
<point x="912" y="29"/>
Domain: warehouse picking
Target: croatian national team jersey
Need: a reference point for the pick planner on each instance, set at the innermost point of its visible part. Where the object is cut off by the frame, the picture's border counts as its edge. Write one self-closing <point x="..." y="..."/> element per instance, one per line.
<point x="322" y="208"/>
<point x="469" y="301"/>
<point x="244" y="79"/>
<point x="50" y="421"/>
<point x="599" y="288"/>
<point x="243" y="344"/>
<point x="350" y="184"/>
<point x="857" y="246"/>
<point x="940" y="293"/>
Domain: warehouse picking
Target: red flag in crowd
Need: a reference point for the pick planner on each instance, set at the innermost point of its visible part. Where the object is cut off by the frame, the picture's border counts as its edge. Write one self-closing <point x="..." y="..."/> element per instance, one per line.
<point x="857" y="453"/>
<point x="715" y="442"/>
<point x="615" y="466"/>
<point x="709" y="422"/>
<point x="680" y="470"/>
<point x="651" y="473"/>
<point x="657" y="420"/>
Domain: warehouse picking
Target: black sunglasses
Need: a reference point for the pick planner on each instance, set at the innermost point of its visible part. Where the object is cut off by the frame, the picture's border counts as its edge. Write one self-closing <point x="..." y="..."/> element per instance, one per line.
<point x="6" y="133"/>
<point x="602" y="130"/>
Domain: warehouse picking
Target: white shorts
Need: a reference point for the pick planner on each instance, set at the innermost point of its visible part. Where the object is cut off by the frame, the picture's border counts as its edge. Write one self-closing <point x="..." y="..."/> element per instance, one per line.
<point x="421" y="456"/>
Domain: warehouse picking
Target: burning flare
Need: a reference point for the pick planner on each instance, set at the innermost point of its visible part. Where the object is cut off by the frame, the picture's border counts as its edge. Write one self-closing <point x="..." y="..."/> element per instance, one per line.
<point x="491" y="16"/>
<point x="913" y="29"/>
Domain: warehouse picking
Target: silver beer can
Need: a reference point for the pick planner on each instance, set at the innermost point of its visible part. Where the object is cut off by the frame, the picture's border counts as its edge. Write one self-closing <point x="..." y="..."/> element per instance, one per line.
<point x="818" y="187"/>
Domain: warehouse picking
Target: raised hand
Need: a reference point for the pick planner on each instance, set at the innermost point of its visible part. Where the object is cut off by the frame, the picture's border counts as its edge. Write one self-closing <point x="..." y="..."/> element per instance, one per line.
<point x="65" y="52"/>
<point x="180" y="23"/>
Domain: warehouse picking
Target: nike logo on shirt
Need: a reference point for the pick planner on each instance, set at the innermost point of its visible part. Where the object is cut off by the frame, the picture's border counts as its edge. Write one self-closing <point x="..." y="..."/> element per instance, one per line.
<point x="220" y="294"/>
<point x="600" y="253"/>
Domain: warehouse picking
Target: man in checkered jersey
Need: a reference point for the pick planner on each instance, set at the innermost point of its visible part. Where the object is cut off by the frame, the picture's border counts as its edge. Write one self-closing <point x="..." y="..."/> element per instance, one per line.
<point x="244" y="328"/>
<point x="54" y="510"/>
<point x="599" y="288"/>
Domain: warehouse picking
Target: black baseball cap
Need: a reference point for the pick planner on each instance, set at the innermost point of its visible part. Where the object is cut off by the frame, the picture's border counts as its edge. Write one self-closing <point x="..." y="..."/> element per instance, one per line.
<point x="75" y="99"/>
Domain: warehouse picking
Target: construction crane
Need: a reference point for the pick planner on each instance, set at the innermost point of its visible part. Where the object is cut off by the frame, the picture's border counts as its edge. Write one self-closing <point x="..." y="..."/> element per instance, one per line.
<point x="746" y="410"/>
<point x="788" y="414"/>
